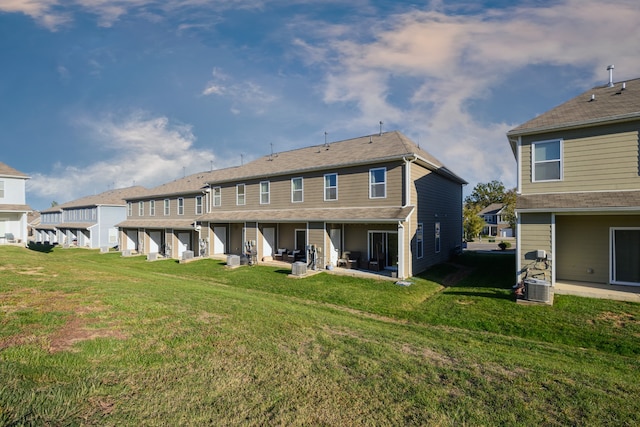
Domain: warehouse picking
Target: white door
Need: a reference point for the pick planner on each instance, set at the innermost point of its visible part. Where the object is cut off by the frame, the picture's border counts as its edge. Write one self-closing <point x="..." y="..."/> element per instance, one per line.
<point x="183" y="243"/>
<point x="132" y="238"/>
<point x="154" y="241"/>
<point x="219" y="240"/>
<point x="268" y="241"/>
<point x="335" y="237"/>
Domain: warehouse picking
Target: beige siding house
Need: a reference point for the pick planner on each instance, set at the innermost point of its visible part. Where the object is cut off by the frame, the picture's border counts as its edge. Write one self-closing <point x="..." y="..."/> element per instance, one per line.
<point x="578" y="202"/>
<point x="379" y="199"/>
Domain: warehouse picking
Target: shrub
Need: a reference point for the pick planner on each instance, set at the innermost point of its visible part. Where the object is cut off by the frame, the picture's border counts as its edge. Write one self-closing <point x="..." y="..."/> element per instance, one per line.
<point x="504" y="245"/>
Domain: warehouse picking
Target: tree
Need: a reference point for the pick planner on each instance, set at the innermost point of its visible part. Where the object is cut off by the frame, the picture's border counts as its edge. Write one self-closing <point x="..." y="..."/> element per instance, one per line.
<point x="54" y="204"/>
<point x="473" y="224"/>
<point x="509" y="211"/>
<point x="485" y="194"/>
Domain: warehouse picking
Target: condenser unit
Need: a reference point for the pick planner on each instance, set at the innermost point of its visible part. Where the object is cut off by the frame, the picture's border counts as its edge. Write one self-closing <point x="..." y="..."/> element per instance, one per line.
<point x="537" y="290"/>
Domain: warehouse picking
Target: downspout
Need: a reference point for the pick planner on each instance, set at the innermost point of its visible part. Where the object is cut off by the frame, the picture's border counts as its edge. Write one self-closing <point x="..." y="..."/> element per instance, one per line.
<point x="518" y="249"/>
<point x="401" y="228"/>
<point x="519" y="165"/>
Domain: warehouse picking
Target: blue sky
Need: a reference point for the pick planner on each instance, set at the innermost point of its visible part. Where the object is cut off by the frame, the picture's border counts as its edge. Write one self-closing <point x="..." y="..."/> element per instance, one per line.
<point x="97" y="94"/>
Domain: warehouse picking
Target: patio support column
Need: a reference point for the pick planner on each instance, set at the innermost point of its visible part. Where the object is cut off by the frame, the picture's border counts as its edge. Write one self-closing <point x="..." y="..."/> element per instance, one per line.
<point x="401" y="272"/>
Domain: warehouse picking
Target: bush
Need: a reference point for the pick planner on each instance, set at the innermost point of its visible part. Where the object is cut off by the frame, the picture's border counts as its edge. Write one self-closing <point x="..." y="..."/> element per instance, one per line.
<point x="504" y="245"/>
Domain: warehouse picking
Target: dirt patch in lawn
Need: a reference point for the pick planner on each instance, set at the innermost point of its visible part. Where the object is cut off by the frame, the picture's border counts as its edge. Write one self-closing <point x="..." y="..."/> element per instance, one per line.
<point x="79" y="329"/>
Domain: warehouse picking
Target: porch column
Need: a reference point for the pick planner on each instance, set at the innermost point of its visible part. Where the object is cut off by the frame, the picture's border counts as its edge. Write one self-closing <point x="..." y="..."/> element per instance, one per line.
<point x="401" y="257"/>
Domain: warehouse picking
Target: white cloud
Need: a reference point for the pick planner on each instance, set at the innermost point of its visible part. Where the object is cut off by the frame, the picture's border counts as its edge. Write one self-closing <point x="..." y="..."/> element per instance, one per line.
<point x="138" y="149"/>
<point x="246" y="95"/>
<point x="454" y="59"/>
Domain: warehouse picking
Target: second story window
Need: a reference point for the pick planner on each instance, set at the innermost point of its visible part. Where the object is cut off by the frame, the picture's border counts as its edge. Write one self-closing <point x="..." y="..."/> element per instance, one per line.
<point x="129" y="209"/>
<point x="217" y="196"/>
<point x="437" y="237"/>
<point x="140" y="208"/>
<point x="198" y="205"/>
<point x="180" y="206"/>
<point x="1" y="189"/>
<point x="152" y="207"/>
<point x="377" y="183"/>
<point x="419" y="241"/>
<point x="240" y="199"/>
<point x="331" y="186"/>
<point x="167" y="210"/>
<point x="546" y="161"/>
<point x="264" y="192"/>
<point x="297" y="194"/>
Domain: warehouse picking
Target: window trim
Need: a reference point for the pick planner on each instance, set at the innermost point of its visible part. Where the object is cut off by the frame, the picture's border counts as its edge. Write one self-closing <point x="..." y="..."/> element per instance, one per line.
<point x="328" y="188"/>
<point x="560" y="160"/>
<point x="167" y="207"/>
<point x="217" y="197"/>
<point x="300" y="191"/>
<point x="371" y="183"/>
<point x="180" y="205"/>
<point x="244" y="194"/>
<point x="420" y="241"/>
<point x="267" y="194"/>
<point x="199" y="204"/>
<point x="152" y="208"/>
<point x="141" y="208"/>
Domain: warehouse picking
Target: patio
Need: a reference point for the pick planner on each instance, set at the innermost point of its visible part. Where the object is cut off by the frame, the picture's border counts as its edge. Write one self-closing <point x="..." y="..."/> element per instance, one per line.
<point x="597" y="290"/>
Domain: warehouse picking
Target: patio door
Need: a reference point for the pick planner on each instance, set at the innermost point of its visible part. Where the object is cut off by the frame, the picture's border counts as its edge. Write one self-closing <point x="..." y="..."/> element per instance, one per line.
<point x="335" y="236"/>
<point x="219" y="240"/>
<point x="625" y="256"/>
<point x="384" y="244"/>
<point x="268" y="241"/>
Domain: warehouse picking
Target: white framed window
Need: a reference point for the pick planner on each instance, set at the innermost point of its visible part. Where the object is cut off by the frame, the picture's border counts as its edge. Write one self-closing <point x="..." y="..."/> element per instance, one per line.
<point x="129" y="209"/>
<point x="378" y="183"/>
<point x="240" y="196"/>
<point x="152" y="208"/>
<point x="420" y="241"/>
<point x="264" y="192"/>
<point x="437" y="237"/>
<point x="167" y="207"/>
<point x="331" y="186"/>
<point x="297" y="190"/>
<point x="94" y="214"/>
<point x="546" y="160"/>
<point x="198" y="205"/>
<point x="1" y="189"/>
<point x="180" y="206"/>
<point x="624" y="253"/>
<point x="217" y="196"/>
<point x="140" y="208"/>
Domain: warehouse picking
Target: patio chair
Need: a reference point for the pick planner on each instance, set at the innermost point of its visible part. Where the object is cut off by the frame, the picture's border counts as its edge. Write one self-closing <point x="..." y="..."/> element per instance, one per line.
<point x="291" y="256"/>
<point x="353" y="260"/>
<point x="280" y="254"/>
<point x="10" y="238"/>
<point x="377" y="263"/>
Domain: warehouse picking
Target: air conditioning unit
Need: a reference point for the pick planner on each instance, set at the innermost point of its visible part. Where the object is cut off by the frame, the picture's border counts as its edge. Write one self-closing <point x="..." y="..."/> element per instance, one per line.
<point x="233" y="260"/>
<point x="299" y="268"/>
<point x="537" y="290"/>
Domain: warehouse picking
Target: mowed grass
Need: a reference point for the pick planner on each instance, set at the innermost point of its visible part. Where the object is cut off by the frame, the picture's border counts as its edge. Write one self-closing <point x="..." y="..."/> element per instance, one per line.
<point x="96" y="339"/>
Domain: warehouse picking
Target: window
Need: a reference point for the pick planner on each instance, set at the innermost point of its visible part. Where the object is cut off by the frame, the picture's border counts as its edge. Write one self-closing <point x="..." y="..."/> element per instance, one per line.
<point x="166" y="207"/>
<point x="437" y="237"/>
<point x="240" y="194"/>
<point x="140" y="208"/>
<point x="1" y="189"/>
<point x="297" y="195"/>
<point x="198" y="205"/>
<point x="331" y="186"/>
<point x="217" y="196"/>
<point x="377" y="183"/>
<point x="419" y="241"/>
<point x="129" y="209"/>
<point x="180" y="206"/>
<point x="264" y="193"/>
<point x="546" y="161"/>
<point x="152" y="207"/>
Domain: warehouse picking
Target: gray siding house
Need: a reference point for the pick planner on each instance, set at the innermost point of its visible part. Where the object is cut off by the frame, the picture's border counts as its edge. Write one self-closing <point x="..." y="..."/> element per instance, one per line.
<point x="578" y="202"/>
<point x="13" y="207"/>
<point x="86" y="222"/>
<point x="373" y="202"/>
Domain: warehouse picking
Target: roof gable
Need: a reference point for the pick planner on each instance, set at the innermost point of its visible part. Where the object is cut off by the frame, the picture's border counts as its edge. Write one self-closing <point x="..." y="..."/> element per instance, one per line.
<point x="8" y="171"/>
<point x="110" y="197"/>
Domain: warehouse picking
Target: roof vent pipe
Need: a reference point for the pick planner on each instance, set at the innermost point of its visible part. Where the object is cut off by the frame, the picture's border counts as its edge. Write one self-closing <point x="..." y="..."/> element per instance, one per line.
<point x="610" y="69"/>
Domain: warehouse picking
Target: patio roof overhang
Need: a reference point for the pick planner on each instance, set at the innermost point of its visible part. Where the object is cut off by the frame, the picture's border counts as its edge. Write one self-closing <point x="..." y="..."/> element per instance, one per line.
<point x="343" y="215"/>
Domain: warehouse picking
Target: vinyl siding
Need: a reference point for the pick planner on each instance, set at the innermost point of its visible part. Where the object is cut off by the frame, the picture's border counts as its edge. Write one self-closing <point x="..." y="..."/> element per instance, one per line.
<point x="583" y="243"/>
<point x="535" y="232"/>
<point x="603" y="159"/>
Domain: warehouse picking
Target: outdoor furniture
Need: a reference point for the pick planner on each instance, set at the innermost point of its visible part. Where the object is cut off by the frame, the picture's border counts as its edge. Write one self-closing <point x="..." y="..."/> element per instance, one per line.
<point x="291" y="256"/>
<point x="353" y="260"/>
<point x="377" y="263"/>
<point x="280" y="254"/>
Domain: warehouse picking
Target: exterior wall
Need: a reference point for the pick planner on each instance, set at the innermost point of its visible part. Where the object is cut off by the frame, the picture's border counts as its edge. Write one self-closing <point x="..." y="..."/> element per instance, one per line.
<point x="189" y="207"/>
<point x="13" y="222"/>
<point x="599" y="159"/>
<point x="353" y="190"/>
<point x="438" y="200"/>
<point x="535" y="233"/>
<point x="583" y="245"/>
<point x="107" y="218"/>
<point x="14" y="191"/>
<point x="317" y="235"/>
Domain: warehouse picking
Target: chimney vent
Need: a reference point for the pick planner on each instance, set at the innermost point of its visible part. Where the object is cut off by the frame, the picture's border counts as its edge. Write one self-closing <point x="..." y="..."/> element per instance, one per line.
<point x="593" y="97"/>
<point x="610" y="69"/>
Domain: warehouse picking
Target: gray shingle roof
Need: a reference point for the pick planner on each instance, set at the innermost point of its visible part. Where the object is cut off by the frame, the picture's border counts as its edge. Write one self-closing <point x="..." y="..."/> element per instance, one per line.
<point x="296" y="215"/>
<point x="491" y="209"/>
<point x="15" y="208"/>
<point x="110" y="197"/>
<point x="610" y="104"/>
<point x="580" y="201"/>
<point x="180" y="224"/>
<point x="8" y="171"/>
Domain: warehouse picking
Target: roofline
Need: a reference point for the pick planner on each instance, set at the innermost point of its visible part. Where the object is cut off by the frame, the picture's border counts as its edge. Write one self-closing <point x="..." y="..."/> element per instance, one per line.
<point x="629" y="209"/>
<point x="620" y="118"/>
<point x="14" y="176"/>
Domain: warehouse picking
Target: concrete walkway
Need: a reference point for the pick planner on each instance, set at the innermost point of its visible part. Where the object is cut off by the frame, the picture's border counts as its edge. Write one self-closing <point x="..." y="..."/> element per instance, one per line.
<point x="598" y="290"/>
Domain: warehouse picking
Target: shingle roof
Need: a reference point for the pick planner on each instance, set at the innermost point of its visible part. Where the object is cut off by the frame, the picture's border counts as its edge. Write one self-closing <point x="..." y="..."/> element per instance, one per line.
<point x="609" y="104"/>
<point x="295" y="215"/>
<point x="6" y="170"/>
<point x="78" y="225"/>
<point x="15" y="208"/>
<point x="580" y="201"/>
<point x="181" y="224"/>
<point x="110" y="197"/>
<point x="492" y="208"/>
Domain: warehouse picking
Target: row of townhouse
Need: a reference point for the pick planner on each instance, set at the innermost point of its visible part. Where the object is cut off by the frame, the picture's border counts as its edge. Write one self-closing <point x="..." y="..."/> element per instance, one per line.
<point x="13" y="207"/>
<point x="378" y="197"/>
<point x="88" y="222"/>
<point x="578" y="190"/>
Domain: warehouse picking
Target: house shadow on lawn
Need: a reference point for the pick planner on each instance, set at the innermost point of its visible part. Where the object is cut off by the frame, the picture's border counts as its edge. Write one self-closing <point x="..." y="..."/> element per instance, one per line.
<point x="41" y="247"/>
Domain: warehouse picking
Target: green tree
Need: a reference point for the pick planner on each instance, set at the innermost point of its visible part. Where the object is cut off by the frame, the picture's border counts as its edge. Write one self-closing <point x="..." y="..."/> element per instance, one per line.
<point x="473" y="224"/>
<point x="484" y="194"/>
<point x="509" y="211"/>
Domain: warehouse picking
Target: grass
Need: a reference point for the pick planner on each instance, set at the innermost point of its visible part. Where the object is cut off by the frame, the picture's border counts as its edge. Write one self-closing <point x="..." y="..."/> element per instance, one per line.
<point x="96" y="339"/>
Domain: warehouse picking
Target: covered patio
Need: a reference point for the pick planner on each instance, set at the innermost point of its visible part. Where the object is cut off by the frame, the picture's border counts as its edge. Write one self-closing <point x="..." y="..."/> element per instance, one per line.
<point x="597" y="290"/>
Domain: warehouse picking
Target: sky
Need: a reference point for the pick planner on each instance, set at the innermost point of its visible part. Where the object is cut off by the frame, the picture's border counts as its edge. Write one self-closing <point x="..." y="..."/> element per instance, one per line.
<point x="102" y="94"/>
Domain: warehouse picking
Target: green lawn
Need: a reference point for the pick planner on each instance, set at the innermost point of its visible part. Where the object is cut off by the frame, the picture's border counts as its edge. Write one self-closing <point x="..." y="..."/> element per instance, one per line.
<point x="96" y="339"/>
